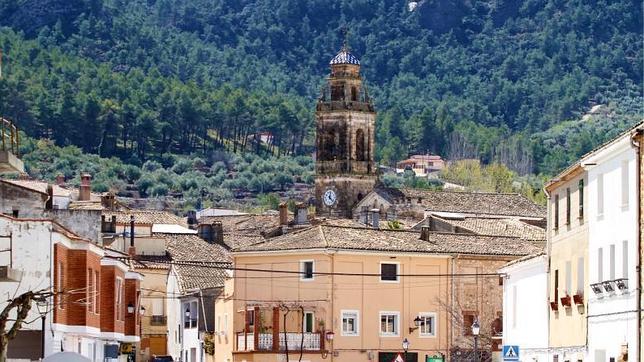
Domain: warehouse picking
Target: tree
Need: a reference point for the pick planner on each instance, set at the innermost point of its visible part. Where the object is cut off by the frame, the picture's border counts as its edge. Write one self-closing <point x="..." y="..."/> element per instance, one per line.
<point x="22" y="305"/>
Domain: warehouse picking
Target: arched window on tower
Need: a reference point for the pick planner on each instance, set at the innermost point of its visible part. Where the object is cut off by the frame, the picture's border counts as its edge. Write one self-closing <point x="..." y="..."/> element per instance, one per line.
<point x="354" y="94"/>
<point x="360" y="146"/>
<point x="337" y="92"/>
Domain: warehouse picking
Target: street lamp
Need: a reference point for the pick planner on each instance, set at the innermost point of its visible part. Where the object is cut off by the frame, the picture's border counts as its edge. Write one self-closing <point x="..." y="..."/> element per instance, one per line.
<point x="417" y="323"/>
<point x="130" y="308"/>
<point x="405" y="346"/>
<point x="476" y="329"/>
<point x="41" y="305"/>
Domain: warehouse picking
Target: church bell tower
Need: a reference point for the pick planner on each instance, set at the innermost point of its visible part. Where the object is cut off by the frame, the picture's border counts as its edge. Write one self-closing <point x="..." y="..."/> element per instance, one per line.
<point x="345" y="124"/>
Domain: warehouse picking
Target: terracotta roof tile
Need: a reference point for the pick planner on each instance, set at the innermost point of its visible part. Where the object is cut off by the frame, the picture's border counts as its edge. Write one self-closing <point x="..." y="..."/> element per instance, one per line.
<point x="347" y="238"/>
<point x="193" y="249"/>
<point x="477" y="203"/>
<point x="511" y="227"/>
<point x="145" y="217"/>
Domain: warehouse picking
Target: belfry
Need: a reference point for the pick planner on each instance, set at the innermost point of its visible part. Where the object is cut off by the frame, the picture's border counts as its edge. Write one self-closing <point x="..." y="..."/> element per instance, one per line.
<point x="345" y="124"/>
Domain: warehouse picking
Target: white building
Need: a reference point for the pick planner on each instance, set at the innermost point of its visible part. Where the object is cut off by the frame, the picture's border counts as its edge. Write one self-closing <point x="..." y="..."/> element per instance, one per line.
<point x="525" y="322"/>
<point x="612" y="249"/>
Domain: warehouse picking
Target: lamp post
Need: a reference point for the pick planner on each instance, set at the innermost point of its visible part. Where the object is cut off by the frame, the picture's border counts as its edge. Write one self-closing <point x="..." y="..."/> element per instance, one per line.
<point x="405" y="346"/>
<point x="41" y="305"/>
<point x="476" y="329"/>
<point x="417" y="323"/>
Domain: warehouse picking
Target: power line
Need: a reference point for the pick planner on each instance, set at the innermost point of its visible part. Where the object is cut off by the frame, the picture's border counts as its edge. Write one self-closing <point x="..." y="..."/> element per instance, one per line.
<point x="228" y="266"/>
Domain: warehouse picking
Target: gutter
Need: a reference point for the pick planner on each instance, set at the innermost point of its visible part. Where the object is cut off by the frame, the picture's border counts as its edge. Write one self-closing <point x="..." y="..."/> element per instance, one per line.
<point x="638" y="265"/>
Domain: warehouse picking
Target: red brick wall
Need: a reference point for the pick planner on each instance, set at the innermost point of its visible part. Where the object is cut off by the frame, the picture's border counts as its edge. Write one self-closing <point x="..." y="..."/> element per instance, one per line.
<point x="61" y="309"/>
<point x="109" y="321"/>
<point x="93" y="316"/>
<point x="132" y="291"/>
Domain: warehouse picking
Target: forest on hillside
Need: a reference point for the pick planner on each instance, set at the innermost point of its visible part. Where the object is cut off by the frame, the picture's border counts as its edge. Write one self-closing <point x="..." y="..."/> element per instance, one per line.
<point x="500" y="80"/>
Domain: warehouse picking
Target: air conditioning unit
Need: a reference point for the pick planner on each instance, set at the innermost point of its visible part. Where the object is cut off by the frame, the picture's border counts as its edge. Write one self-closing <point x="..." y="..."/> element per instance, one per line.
<point x="597" y="288"/>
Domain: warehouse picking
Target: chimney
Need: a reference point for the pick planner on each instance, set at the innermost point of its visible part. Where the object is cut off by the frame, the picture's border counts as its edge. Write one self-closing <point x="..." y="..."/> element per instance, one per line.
<point x="301" y="214"/>
<point x="192" y="219"/>
<point x="218" y="232"/>
<point x="132" y="250"/>
<point x="364" y="215"/>
<point x="283" y="214"/>
<point x="424" y="233"/>
<point x="49" y="204"/>
<point x="375" y="218"/>
<point x="60" y="179"/>
<point x="85" y="187"/>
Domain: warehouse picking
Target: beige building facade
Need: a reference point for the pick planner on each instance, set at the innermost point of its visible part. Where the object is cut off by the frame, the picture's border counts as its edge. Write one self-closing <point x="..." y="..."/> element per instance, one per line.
<point x="353" y="294"/>
<point x="568" y="271"/>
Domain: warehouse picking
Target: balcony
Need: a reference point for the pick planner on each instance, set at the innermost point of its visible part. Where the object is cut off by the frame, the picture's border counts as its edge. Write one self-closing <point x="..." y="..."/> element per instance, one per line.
<point x="158" y="320"/>
<point x="265" y="342"/>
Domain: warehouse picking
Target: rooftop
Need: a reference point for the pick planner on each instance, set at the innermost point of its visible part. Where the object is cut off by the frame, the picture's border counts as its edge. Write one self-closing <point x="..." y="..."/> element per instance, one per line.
<point x="349" y="238"/>
<point x="481" y="203"/>
<point x="146" y="217"/>
<point x="510" y="227"/>
<point x="344" y="57"/>
<point x="193" y="249"/>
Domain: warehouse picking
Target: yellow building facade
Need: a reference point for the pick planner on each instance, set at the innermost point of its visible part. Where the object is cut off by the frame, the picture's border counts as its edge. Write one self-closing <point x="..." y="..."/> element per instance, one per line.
<point x="568" y="272"/>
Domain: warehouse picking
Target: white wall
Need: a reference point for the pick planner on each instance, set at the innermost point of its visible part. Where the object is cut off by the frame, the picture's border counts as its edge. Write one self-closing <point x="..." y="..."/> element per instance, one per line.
<point x="525" y="308"/>
<point x="617" y="223"/>
<point x="173" y="307"/>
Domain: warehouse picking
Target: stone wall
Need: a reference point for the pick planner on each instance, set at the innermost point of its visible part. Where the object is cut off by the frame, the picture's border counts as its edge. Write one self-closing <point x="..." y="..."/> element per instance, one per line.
<point x="85" y="223"/>
<point x="477" y="296"/>
<point x="27" y="203"/>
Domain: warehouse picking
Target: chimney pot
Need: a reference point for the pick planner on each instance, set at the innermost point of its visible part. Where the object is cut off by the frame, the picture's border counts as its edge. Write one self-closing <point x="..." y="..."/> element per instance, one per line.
<point x="301" y="217"/>
<point x="424" y="233"/>
<point x="283" y="214"/>
<point x="85" y="187"/>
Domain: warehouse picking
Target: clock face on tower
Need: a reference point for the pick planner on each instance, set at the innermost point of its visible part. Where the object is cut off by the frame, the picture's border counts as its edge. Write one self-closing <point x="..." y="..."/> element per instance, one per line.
<point x="329" y="198"/>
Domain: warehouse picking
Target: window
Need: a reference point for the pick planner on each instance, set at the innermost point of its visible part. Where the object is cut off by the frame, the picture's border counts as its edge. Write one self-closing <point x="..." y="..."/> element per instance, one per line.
<point x="568" y="277"/>
<point x="600" y="194"/>
<point x="468" y="320"/>
<point x="97" y="289"/>
<point x="118" y="293"/>
<point x="306" y="270"/>
<point x="15" y="213"/>
<point x="389" y="324"/>
<point x="427" y="325"/>
<point x="308" y="320"/>
<point x="581" y="199"/>
<point x="250" y="319"/>
<point x="556" y="212"/>
<point x="389" y="272"/>
<point x="580" y="275"/>
<point x="514" y="306"/>
<point x="90" y="290"/>
<point x="611" y="262"/>
<point x="187" y="315"/>
<point x="625" y="184"/>
<point x="225" y="323"/>
<point x="350" y="323"/>
<point x="194" y="314"/>
<point x="568" y="206"/>
<point x="219" y="324"/>
<point x="556" y="285"/>
<point x="625" y="259"/>
<point x="600" y="265"/>
<point x="60" y="280"/>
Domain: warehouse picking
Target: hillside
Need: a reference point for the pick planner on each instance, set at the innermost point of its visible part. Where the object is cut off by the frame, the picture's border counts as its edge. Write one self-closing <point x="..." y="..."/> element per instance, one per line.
<point x="492" y="80"/>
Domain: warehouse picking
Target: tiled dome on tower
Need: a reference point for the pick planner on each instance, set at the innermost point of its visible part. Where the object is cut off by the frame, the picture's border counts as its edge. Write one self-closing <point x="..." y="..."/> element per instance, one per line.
<point x="344" y="57"/>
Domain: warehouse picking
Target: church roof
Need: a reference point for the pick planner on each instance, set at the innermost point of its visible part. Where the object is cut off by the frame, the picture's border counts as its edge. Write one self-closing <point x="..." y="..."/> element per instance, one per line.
<point x="344" y="57"/>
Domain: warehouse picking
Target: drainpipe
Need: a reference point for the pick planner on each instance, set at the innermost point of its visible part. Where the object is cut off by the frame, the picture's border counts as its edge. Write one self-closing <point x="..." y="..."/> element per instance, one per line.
<point x="548" y="253"/>
<point x="638" y="267"/>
